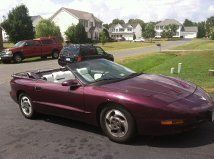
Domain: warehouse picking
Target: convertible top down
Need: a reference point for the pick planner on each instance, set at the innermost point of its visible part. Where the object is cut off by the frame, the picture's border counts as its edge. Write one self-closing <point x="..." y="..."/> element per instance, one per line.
<point x="106" y="94"/>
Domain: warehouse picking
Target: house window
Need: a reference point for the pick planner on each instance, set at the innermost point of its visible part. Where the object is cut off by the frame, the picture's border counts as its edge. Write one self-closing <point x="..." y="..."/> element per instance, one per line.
<point x="157" y="27"/>
<point x="161" y="27"/>
<point x="129" y="29"/>
<point x="121" y="29"/>
<point x="92" y="24"/>
<point x="116" y="30"/>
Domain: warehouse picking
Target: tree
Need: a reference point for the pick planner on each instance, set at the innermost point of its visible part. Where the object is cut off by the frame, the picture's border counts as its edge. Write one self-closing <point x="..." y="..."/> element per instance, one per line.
<point x="106" y="33"/>
<point x="18" y="25"/>
<point x="188" y="22"/>
<point x="117" y="21"/>
<point x="80" y="34"/>
<point x="134" y="37"/>
<point x="149" y="31"/>
<point x="103" y="37"/>
<point x="106" y="26"/>
<point x="46" y="28"/>
<point x="77" y="34"/>
<point x="1" y="40"/>
<point x="70" y="34"/>
<point x="210" y="26"/>
<point x="201" y="30"/>
<point x="169" y="31"/>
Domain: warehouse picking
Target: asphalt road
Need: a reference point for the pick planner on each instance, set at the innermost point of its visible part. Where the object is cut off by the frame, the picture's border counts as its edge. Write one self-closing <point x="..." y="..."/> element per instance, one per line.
<point x="50" y="137"/>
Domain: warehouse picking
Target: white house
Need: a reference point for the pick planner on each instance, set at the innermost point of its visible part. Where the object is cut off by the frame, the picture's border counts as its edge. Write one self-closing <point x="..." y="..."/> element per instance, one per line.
<point x="65" y="17"/>
<point x="190" y="32"/>
<point x="185" y="32"/>
<point x="126" y="31"/>
<point x="5" y="37"/>
<point x="159" y="27"/>
<point x="35" y="20"/>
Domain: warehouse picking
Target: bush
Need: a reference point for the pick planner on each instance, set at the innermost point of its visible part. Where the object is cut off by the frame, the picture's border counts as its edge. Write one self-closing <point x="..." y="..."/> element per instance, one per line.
<point x="77" y="34"/>
<point x="46" y="28"/>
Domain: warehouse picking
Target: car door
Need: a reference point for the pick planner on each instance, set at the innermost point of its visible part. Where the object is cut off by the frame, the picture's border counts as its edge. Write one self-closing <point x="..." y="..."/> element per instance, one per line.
<point x="100" y="52"/>
<point x="47" y="46"/>
<point x="53" y="98"/>
<point x="37" y="48"/>
<point x="28" y="48"/>
<point x="89" y="52"/>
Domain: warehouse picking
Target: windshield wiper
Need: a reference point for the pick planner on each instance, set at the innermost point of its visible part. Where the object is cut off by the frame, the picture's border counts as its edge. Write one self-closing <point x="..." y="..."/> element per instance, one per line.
<point x="108" y="79"/>
<point x="133" y="75"/>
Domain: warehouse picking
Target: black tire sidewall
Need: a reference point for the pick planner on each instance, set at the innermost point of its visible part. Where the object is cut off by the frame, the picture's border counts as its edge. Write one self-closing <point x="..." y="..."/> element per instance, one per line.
<point x="53" y="53"/>
<point x="32" y="115"/>
<point x="14" y="58"/>
<point x="131" y="124"/>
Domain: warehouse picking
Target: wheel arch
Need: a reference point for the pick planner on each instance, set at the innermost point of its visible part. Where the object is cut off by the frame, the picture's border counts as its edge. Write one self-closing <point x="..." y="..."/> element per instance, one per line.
<point x="18" y="94"/>
<point x="19" y="53"/>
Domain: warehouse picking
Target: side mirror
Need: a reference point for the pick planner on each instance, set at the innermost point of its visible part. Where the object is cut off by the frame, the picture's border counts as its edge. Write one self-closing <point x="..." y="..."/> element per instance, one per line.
<point x="72" y="83"/>
<point x="26" y="44"/>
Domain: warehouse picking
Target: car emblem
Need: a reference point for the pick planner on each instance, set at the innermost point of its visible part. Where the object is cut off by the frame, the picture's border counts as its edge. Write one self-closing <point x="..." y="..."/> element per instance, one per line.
<point x="202" y="98"/>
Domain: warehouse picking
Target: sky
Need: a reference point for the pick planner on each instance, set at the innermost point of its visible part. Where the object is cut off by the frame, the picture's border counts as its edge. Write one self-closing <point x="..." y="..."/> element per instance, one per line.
<point x="107" y="10"/>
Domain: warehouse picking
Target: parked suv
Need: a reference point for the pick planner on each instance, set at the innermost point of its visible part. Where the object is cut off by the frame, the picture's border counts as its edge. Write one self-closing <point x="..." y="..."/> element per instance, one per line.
<point x="42" y="47"/>
<point x="80" y="52"/>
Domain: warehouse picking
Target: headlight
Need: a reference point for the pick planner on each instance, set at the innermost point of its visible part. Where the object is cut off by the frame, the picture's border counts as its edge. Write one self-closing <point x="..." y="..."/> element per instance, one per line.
<point x="9" y="52"/>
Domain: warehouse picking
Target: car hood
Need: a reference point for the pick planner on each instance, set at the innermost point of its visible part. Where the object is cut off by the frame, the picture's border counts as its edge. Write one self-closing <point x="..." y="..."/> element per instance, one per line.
<point x="161" y="87"/>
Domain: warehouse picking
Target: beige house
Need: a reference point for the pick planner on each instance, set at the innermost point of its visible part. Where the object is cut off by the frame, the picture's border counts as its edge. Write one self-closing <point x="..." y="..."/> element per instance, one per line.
<point x="126" y="31"/>
<point x="65" y="17"/>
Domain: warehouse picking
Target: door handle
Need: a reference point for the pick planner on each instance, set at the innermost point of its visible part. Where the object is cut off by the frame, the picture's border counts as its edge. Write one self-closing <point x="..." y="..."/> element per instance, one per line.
<point x="38" y="88"/>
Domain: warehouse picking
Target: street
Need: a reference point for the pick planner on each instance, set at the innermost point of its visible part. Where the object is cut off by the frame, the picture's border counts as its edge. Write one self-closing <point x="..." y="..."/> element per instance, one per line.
<point x="49" y="137"/>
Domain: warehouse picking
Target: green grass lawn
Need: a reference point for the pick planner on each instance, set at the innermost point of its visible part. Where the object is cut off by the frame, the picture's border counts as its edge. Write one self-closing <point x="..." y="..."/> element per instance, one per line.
<point x="112" y="46"/>
<point x="195" y="66"/>
<point x="197" y="44"/>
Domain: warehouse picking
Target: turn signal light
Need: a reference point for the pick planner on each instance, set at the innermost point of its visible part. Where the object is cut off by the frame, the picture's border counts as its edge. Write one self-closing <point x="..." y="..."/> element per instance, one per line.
<point x="172" y="122"/>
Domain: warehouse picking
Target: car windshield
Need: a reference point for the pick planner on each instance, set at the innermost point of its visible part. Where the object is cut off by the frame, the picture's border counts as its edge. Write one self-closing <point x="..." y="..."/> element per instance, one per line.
<point x="19" y="44"/>
<point x="92" y="71"/>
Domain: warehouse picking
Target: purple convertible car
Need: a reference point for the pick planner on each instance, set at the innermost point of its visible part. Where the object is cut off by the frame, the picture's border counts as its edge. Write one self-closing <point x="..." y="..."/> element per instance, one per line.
<point x="122" y="102"/>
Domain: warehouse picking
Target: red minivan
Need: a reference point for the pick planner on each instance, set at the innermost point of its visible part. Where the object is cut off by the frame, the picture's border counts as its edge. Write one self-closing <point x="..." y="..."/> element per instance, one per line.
<point x="42" y="47"/>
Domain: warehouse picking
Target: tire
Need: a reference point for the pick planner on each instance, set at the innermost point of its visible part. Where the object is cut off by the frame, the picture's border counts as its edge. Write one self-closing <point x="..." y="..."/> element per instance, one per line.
<point x="116" y="119"/>
<point x="61" y="63"/>
<point x="55" y="54"/>
<point x="26" y="106"/>
<point x="17" y="58"/>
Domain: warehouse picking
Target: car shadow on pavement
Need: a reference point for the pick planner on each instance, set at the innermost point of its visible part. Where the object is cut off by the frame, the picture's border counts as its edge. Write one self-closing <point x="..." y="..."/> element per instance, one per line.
<point x="201" y="136"/>
<point x="33" y="60"/>
<point x="204" y="135"/>
<point x="70" y="123"/>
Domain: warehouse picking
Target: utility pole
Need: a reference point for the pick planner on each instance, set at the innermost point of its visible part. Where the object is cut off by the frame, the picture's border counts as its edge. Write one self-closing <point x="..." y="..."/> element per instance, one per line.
<point x="1" y="40"/>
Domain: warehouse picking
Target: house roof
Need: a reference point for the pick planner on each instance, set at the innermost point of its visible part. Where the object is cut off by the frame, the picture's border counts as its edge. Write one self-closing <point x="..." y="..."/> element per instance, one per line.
<point x="125" y="25"/>
<point x="79" y="14"/>
<point x="167" y="22"/>
<point x="191" y="29"/>
<point x="35" y="17"/>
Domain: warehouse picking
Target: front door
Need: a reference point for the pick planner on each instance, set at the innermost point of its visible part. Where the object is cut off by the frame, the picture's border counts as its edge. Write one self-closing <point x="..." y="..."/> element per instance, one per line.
<point x="53" y="98"/>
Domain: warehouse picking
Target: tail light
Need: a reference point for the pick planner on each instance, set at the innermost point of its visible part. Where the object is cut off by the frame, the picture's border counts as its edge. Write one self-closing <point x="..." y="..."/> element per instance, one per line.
<point x="79" y="58"/>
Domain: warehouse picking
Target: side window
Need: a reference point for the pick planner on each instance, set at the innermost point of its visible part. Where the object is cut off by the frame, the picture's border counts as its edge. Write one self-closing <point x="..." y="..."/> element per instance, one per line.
<point x="100" y="51"/>
<point x="47" y="42"/>
<point x="37" y="43"/>
<point x="92" y="51"/>
<point x="29" y="43"/>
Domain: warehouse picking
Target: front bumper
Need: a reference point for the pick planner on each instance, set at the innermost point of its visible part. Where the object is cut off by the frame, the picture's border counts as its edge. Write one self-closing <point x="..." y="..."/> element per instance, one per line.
<point x="193" y="110"/>
<point x="4" y="56"/>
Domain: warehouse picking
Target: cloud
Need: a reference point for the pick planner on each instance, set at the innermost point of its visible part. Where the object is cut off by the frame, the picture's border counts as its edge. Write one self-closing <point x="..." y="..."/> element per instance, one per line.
<point x="148" y="10"/>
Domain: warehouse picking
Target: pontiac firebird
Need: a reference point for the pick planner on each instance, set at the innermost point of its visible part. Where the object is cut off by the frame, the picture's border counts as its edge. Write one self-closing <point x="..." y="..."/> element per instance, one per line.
<point x="122" y="102"/>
